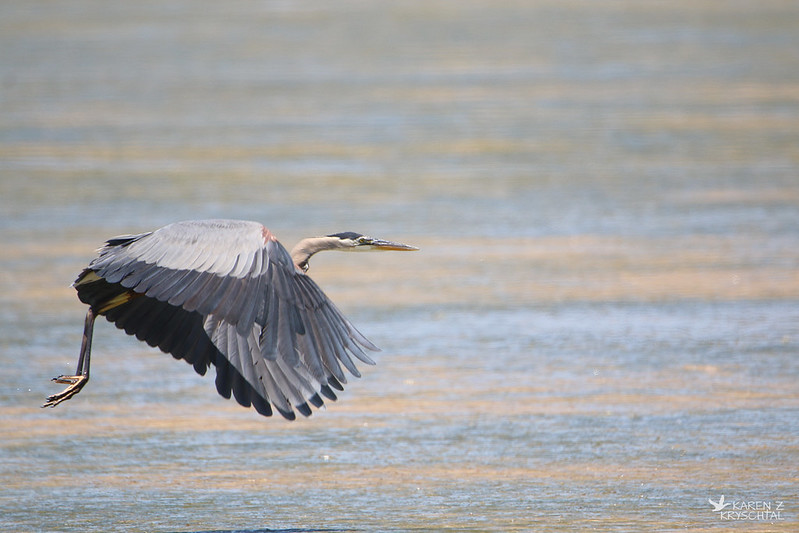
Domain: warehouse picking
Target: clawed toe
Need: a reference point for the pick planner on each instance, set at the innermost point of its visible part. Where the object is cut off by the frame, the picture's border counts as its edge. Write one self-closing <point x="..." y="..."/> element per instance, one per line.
<point x="67" y="380"/>
<point x="76" y="383"/>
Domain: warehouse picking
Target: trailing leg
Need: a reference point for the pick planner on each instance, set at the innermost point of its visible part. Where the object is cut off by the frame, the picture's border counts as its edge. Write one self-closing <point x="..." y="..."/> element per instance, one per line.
<point x="81" y="377"/>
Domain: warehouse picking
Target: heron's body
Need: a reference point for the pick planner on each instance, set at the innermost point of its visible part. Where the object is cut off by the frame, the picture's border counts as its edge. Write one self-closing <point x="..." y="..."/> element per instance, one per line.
<point x="226" y="293"/>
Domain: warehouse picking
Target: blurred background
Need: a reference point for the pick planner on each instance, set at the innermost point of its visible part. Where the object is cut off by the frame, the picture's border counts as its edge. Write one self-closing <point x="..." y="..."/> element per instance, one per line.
<point x="600" y="330"/>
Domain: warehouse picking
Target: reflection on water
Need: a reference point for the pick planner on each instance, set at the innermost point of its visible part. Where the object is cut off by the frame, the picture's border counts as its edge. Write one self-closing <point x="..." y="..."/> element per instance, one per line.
<point x="599" y="332"/>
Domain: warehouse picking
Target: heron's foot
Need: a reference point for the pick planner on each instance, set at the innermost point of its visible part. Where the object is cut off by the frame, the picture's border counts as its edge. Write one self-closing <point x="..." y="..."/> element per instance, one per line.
<point x="76" y="383"/>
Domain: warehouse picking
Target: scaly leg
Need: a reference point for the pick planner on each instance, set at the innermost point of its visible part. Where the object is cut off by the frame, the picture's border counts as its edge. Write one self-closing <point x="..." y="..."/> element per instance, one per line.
<point x="81" y="377"/>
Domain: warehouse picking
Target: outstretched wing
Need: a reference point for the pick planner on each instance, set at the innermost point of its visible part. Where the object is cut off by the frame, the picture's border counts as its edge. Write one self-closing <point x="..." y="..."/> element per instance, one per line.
<point x="284" y="339"/>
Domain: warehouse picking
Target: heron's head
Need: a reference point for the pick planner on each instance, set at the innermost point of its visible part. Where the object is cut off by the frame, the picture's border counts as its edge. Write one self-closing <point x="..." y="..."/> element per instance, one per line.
<point x="351" y="241"/>
<point x="347" y="241"/>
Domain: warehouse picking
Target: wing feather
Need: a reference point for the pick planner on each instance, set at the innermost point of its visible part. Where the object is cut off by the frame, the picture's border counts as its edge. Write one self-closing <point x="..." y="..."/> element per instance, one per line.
<point x="194" y="264"/>
<point x="327" y="354"/>
<point x="226" y="293"/>
<point x="269" y="329"/>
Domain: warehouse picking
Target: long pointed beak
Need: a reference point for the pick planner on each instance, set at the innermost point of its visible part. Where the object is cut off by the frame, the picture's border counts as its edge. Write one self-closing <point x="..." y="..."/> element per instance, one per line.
<point x="380" y="244"/>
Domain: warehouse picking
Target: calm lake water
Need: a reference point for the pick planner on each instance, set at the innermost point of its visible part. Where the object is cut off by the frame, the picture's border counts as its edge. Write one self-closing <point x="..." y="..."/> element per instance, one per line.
<point x="600" y="331"/>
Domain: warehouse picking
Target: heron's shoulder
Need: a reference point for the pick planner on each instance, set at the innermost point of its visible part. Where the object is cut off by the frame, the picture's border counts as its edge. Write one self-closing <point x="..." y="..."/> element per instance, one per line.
<point x="234" y="233"/>
<point x="216" y="246"/>
<point x="211" y="226"/>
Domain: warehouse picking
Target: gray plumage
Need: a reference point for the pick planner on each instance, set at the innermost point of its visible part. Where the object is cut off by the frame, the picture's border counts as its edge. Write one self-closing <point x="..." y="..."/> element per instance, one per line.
<point x="227" y="293"/>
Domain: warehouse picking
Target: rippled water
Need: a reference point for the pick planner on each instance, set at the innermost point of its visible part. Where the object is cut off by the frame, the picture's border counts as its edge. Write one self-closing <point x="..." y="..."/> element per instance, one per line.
<point x="601" y="328"/>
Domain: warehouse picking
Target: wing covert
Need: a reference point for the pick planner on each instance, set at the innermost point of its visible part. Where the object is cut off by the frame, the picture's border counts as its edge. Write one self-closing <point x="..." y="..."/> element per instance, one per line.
<point x="212" y="267"/>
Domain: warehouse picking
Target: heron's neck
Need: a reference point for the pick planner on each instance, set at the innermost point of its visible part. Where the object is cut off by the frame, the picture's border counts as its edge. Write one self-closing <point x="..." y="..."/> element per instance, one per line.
<point x="304" y="249"/>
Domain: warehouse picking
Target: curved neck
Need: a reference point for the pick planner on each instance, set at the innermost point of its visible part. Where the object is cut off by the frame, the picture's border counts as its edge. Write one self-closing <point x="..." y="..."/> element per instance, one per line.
<point x="304" y="249"/>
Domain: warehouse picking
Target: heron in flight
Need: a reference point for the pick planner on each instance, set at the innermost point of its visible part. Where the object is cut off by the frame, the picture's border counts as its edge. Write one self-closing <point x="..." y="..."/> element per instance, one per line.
<point x="226" y="293"/>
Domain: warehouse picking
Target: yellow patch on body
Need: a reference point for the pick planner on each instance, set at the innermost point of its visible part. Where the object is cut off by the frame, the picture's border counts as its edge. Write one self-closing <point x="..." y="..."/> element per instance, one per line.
<point x="116" y="301"/>
<point x="90" y="277"/>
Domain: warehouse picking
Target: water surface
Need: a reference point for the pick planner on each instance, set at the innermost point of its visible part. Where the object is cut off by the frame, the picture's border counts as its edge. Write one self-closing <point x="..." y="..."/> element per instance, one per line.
<point x="600" y="331"/>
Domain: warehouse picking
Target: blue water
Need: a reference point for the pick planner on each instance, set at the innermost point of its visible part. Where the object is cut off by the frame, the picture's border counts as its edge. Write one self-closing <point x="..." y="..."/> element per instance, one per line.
<point x="599" y="332"/>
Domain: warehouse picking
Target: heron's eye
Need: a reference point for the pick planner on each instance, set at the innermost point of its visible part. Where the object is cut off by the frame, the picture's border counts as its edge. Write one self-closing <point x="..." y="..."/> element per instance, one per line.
<point x="304" y="266"/>
<point x="362" y="240"/>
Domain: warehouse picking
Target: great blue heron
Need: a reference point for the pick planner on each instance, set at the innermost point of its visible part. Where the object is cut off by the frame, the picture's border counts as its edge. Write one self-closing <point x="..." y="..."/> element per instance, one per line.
<point x="227" y="293"/>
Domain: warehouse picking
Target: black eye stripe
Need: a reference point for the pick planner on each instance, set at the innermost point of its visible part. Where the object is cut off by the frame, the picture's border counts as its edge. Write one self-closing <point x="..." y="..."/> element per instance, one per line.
<point x="346" y="235"/>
